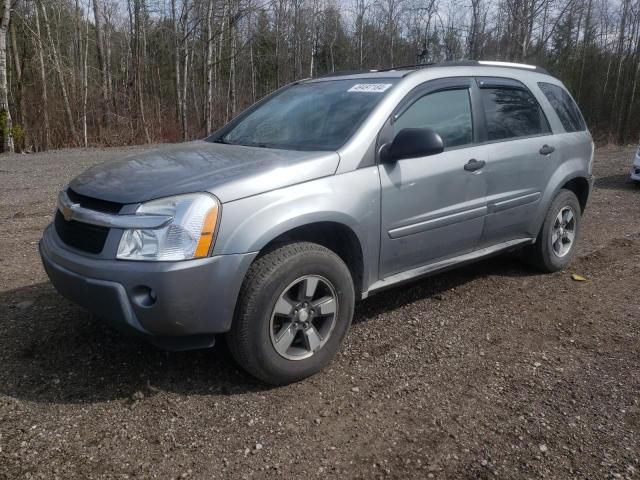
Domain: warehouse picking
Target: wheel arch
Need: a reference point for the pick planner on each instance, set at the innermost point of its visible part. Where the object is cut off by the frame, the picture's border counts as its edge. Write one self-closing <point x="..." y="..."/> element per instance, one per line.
<point x="573" y="179"/>
<point x="580" y="187"/>
<point x="337" y="236"/>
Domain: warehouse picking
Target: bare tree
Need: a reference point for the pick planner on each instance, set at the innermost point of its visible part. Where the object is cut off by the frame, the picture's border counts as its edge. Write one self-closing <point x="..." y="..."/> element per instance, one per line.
<point x="44" y="101"/>
<point x="138" y="49"/>
<point x="176" y="57"/>
<point x="476" y="29"/>
<point x="102" y="61"/>
<point x="209" y="69"/>
<point x="85" y="87"/>
<point x="362" y="7"/>
<point x="58" y="68"/>
<point x="21" y="113"/>
<point x="5" y="113"/>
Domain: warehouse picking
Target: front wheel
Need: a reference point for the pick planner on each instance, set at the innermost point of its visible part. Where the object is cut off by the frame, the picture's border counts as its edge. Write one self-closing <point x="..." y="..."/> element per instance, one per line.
<point x="556" y="243"/>
<point x="293" y="312"/>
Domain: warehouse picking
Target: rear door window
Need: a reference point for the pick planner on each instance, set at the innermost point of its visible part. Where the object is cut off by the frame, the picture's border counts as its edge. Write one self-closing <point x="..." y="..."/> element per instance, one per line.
<point x="567" y="110"/>
<point x="446" y="112"/>
<point x="512" y="112"/>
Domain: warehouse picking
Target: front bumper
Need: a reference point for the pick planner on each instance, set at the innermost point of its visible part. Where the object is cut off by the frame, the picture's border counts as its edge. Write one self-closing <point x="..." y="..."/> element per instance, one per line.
<point x="177" y="305"/>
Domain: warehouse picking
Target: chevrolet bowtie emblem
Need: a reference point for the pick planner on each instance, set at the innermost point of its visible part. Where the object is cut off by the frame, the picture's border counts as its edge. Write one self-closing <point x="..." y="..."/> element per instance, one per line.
<point x="67" y="213"/>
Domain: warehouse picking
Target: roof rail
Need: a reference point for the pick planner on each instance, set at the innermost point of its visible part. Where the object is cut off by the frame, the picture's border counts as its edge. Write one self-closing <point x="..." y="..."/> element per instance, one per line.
<point x="468" y="63"/>
<point x="496" y="63"/>
<point x="342" y="73"/>
<point x="411" y="66"/>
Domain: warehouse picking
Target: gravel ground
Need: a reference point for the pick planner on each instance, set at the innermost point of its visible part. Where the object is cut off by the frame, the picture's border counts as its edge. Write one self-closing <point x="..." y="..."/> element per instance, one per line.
<point x="490" y="371"/>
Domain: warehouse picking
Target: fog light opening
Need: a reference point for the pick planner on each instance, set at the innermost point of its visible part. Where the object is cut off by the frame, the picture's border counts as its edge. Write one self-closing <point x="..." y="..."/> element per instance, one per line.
<point x="143" y="296"/>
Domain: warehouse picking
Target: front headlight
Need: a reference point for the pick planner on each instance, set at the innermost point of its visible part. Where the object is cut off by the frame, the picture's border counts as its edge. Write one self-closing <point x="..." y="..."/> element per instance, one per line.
<point x="189" y="235"/>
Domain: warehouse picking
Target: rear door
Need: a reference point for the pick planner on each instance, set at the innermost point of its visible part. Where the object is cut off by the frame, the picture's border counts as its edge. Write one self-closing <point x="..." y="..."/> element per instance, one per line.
<point x="432" y="207"/>
<point x="521" y="160"/>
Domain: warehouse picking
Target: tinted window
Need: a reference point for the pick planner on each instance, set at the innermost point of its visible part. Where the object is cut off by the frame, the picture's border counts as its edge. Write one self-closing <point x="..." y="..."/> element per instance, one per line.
<point x="447" y="112"/>
<point x="564" y="106"/>
<point x="310" y="116"/>
<point x="512" y="113"/>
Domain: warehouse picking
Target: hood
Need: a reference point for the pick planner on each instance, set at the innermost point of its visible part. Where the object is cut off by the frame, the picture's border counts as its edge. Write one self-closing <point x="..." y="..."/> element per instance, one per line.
<point x="228" y="171"/>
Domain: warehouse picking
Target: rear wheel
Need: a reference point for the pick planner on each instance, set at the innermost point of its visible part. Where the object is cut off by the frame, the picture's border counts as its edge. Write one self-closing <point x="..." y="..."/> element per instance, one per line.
<point x="294" y="310"/>
<point x="556" y="243"/>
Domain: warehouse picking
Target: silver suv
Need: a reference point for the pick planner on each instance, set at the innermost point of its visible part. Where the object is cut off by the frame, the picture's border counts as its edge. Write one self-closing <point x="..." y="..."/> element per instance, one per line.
<point x="323" y="193"/>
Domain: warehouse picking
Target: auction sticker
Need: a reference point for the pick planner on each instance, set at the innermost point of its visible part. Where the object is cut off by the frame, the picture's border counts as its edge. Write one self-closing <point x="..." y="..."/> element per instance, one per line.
<point x="370" y="87"/>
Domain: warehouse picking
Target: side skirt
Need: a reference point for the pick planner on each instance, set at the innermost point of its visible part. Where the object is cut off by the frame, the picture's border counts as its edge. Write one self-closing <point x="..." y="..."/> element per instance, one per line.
<point x="446" y="264"/>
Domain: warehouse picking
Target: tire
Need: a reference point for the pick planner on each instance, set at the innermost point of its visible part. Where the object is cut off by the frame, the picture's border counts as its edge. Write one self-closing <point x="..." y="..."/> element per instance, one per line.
<point x="543" y="255"/>
<point x="269" y="288"/>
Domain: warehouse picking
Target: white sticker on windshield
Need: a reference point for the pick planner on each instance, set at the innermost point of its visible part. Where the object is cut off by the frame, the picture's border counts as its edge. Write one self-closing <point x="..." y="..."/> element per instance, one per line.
<point x="370" y="87"/>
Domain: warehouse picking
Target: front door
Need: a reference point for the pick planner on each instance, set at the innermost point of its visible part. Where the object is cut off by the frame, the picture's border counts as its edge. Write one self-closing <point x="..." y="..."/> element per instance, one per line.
<point x="433" y="207"/>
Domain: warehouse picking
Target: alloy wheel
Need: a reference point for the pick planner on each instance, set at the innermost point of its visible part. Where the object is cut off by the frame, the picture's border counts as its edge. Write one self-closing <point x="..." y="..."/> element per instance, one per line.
<point x="303" y="317"/>
<point x="563" y="232"/>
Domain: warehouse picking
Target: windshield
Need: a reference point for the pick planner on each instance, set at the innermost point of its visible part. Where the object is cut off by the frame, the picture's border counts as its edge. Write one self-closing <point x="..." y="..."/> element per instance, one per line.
<point x="310" y="116"/>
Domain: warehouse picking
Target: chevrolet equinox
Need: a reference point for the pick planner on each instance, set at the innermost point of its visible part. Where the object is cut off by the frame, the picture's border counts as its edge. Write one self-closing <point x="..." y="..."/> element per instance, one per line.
<point x="321" y="194"/>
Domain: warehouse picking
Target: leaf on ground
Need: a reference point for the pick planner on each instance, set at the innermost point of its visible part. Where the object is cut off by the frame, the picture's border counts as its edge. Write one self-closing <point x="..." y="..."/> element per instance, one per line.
<point x="578" y="278"/>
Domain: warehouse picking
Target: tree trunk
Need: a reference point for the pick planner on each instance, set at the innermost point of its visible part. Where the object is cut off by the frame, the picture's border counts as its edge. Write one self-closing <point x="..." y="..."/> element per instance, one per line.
<point x="76" y="85"/>
<point x="5" y="114"/>
<point x="361" y="14"/>
<point x="620" y="53"/>
<point x="58" y="69"/>
<point x="585" y="45"/>
<point x="209" y="67"/>
<point x="43" y="82"/>
<point x="314" y="40"/>
<point x="22" y="105"/>
<point x="232" y="69"/>
<point x="176" y="65"/>
<point x="85" y="88"/>
<point x="102" y="63"/>
<point x="185" y="84"/>
<point x="277" y="47"/>
<point x="106" y="29"/>
<point x="194" y="96"/>
<point x="231" y="105"/>
<point x="253" y="74"/>
<point x="139" y="60"/>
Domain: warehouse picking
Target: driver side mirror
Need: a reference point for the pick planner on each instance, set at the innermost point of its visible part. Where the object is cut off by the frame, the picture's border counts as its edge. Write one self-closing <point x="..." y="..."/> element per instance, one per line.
<point x="412" y="143"/>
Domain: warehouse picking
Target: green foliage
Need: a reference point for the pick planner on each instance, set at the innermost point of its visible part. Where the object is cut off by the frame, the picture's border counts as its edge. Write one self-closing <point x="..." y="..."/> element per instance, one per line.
<point x="4" y="131"/>
<point x="19" y="136"/>
<point x="17" y="132"/>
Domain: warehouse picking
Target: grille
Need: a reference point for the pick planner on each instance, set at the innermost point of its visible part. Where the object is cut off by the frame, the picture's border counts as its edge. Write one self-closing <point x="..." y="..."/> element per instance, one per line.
<point x="85" y="237"/>
<point x="94" y="203"/>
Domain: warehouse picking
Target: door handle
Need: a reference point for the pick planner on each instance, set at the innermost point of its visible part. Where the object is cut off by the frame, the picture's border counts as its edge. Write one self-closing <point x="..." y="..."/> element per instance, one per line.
<point x="547" y="150"/>
<point x="473" y="165"/>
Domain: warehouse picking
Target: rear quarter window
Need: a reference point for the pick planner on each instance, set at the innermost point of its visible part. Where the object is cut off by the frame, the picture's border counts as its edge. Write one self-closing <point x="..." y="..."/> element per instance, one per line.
<point x="564" y="106"/>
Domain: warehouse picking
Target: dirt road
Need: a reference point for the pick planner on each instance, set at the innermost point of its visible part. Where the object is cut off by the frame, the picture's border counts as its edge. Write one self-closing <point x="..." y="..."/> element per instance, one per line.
<point x="491" y="371"/>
